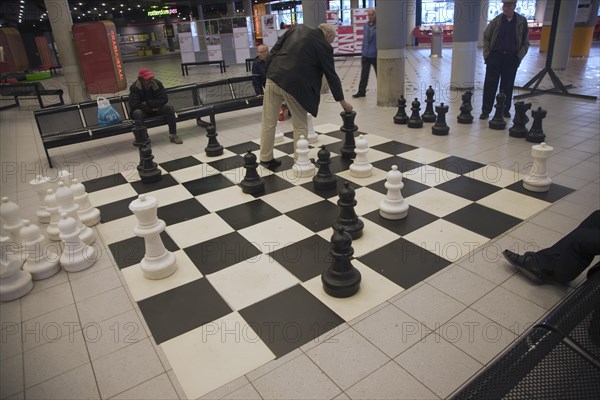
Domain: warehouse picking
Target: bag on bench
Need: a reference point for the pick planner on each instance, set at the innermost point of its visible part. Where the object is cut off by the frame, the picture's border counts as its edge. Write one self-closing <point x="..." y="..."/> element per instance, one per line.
<point x="107" y="115"/>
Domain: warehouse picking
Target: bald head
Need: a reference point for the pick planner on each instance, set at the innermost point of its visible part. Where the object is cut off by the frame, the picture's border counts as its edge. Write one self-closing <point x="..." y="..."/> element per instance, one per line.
<point x="262" y="52"/>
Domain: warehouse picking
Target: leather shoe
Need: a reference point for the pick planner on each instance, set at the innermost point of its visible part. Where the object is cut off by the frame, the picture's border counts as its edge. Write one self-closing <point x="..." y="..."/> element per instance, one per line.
<point x="527" y="265"/>
<point x="357" y="95"/>
<point x="271" y="164"/>
<point x="484" y="115"/>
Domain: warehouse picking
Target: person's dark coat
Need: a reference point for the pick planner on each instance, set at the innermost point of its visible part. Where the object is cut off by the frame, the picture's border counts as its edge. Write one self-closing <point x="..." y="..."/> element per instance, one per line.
<point x="259" y="75"/>
<point x="153" y="95"/>
<point x="297" y="63"/>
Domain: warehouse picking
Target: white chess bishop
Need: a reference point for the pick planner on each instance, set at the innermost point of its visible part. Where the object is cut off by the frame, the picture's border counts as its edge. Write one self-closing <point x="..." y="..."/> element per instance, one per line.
<point x="158" y="262"/>
<point x="361" y="168"/>
<point x="14" y="282"/>
<point x="89" y="215"/>
<point x="303" y="168"/>
<point x="538" y="180"/>
<point x="42" y="261"/>
<point x="393" y="206"/>
<point x="77" y="255"/>
<point x="40" y="185"/>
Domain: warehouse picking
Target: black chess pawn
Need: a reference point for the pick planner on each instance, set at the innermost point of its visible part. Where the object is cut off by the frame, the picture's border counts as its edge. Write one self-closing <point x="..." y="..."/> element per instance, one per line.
<point x="519" y="130"/>
<point x="341" y="279"/>
<point x="401" y="118"/>
<point x="149" y="173"/>
<point x="252" y="183"/>
<point x="324" y="179"/>
<point x="348" y="218"/>
<point x="429" y="115"/>
<point x="213" y="148"/>
<point x="348" y="128"/>
<point x="415" y="120"/>
<point x="465" y="116"/>
<point x="536" y="133"/>
<point x="440" y="128"/>
<point x="498" y="122"/>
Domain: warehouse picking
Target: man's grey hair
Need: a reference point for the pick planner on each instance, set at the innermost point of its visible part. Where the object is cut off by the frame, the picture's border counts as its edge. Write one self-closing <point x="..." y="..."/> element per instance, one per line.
<point x="327" y="29"/>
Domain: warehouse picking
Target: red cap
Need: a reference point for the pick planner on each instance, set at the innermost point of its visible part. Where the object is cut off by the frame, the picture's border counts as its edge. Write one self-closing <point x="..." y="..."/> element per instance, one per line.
<point x="145" y="73"/>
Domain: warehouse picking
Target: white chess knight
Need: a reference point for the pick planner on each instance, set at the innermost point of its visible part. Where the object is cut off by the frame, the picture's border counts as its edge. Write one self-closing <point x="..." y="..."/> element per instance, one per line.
<point x="66" y="204"/>
<point x="158" y="262"/>
<point x="14" y="282"/>
<point x="538" y="180"/>
<point x="89" y="215"/>
<point x="11" y="214"/>
<point x="278" y="133"/>
<point x="393" y="206"/>
<point x="40" y="185"/>
<point x="42" y="261"/>
<point x="77" y="255"/>
<point x="303" y="168"/>
<point x="312" y="136"/>
<point x="361" y="168"/>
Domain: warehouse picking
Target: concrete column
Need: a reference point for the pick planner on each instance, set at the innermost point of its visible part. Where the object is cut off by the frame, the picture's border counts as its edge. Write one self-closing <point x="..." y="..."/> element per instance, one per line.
<point x="467" y="15"/>
<point x="314" y="12"/>
<point x="61" y="23"/>
<point x="483" y="21"/>
<point x="200" y="12"/>
<point x="248" y="8"/>
<point x="411" y="12"/>
<point x="231" y="9"/>
<point x="564" y="33"/>
<point x="392" y="17"/>
<point x="540" y="8"/>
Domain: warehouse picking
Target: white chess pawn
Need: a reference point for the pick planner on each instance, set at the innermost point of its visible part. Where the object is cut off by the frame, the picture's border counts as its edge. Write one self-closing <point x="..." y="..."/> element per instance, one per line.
<point x="393" y="206"/>
<point x="64" y="176"/>
<point x="40" y="261"/>
<point x="77" y="255"/>
<point x="278" y="133"/>
<point x="538" y="179"/>
<point x="40" y="185"/>
<point x="312" y="136"/>
<point x="11" y="214"/>
<point x="303" y="168"/>
<point x="89" y="215"/>
<point x="66" y="204"/>
<point x="158" y="262"/>
<point x="14" y="282"/>
<point x="361" y="168"/>
<point x="52" y="207"/>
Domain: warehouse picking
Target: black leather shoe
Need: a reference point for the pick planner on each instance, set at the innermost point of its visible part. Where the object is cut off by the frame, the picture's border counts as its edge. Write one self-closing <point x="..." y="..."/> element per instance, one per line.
<point x="484" y="115"/>
<point x="527" y="265"/>
<point x="271" y="164"/>
<point x="357" y="95"/>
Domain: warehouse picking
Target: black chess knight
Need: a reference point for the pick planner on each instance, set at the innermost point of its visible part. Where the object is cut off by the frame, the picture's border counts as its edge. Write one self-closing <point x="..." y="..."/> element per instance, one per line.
<point x="466" y="107"/>
<point x="519" y="130"/>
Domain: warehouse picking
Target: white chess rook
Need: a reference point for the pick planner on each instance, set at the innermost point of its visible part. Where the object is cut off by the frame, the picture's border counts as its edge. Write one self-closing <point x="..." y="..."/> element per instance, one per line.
<point x="89" y="215"/>
<point x="278" y="133"/>
<point x="52" y="207"/>
<point x="393" y="206"/>
<point x="40" y="185"/>
<point x="11" y="214"/>
<point x="41" y="261"/>
<point x="303" y="168"/>
<point x="14" y="282"/>
<point x="77" y="255"/>
<point x="361" y="168"/>
<point x="538" y="179"/>
<point x="158" y="262"/>
<point x="66" y="204"/>
<point x="312" y="136"/>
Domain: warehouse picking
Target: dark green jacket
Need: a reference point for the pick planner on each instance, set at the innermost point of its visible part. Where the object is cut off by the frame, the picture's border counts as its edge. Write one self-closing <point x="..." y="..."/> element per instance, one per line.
<point x="491" y="34"/>
<point x="153" y="95"/>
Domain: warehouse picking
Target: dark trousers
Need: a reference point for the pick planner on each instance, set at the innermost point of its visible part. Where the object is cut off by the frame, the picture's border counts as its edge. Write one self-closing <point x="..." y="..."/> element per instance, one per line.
<point x="571" y="255"/>
<point x="167" y="110"/>
<point x="365" y="69"/>
<point x="499" y="68"/>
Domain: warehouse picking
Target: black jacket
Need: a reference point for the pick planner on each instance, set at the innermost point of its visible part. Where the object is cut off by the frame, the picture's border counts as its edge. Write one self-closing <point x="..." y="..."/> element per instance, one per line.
<point x="259" y="75"/>
<point x="154" y="95"/>
<point x="297" y="63"/>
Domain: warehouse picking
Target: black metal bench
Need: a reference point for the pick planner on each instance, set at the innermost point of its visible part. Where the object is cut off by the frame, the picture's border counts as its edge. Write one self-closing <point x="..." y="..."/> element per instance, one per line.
<point x="29" y="90"/>
<point x="61" y="126"/>
<point x="184" y="66"/>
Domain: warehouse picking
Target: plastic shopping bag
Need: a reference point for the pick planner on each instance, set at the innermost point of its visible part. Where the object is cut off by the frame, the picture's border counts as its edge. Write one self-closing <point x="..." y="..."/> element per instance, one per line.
<point x="107" y="115"/>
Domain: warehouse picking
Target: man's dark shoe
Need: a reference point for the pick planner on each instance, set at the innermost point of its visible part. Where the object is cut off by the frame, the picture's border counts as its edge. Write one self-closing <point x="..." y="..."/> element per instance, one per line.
<point x="271" y="164"/>
<point x="484" y="115"/>
<point x="527" y="265"/>
<point x="506" y="114"/>
<point x="357" y="95"/>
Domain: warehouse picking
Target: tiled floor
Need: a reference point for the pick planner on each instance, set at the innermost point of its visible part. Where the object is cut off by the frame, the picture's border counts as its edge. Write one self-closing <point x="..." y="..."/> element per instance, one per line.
<point x="82" y="335"/>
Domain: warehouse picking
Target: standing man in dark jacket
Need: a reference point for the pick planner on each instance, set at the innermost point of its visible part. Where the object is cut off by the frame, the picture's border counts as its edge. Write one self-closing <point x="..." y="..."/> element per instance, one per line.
<point x="295" y="72"/>
<point x="369" y="53"/>
<point x="259" y="69"/>
<point x="147" y="98"/>
<point x="505" y="43"/>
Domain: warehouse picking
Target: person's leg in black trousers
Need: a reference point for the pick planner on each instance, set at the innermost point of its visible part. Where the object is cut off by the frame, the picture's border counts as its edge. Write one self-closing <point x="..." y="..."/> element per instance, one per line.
<point x="493" y="71"/>
<point x="365" y="70"/>
<point x="510" y="64"/>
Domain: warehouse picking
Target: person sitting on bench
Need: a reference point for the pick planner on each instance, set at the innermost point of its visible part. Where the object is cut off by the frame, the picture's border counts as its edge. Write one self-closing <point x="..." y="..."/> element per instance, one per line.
<point x="147" y="98"/>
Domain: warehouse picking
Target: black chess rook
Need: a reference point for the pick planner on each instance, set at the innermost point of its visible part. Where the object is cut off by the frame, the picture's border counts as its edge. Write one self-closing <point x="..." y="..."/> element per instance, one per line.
<point x="536" y="133"/>
<point x="213" y="148"/>
<point x="252" y="183"/>
<point x="341" y="279"/>
<point x="429" y="115"/>
<point x="498" y="123"/>
<point x="441" y="128"/>
<point x="401" y="118"/>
